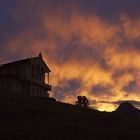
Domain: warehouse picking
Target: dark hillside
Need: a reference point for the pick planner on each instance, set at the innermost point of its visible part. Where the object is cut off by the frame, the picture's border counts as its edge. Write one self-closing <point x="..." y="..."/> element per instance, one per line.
<point x="34" y="118"/>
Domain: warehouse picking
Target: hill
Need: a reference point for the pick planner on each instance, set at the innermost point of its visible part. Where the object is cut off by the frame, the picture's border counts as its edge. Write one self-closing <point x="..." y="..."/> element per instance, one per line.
<point x="34" y="118"/>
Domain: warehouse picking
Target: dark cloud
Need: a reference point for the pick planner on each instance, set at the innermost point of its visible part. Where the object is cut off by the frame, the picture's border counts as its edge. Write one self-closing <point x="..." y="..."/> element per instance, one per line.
<point x="137" y="44"/>
<point x="74" y="50"/>
<point x="5" y="7"/>
<point x="121" y="72"/>
<point x="101" y="90"/>
<point x="110" y="7"/>
<point x="17" y="16"/>
<point x="133" y="102"/>
<point x="105" y="9"/>
<point x="67" y="87"/>
<point x="130" y="87"/>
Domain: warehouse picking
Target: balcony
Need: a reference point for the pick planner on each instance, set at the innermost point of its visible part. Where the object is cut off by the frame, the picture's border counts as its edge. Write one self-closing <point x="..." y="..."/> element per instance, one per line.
<point x="49" y="87"/>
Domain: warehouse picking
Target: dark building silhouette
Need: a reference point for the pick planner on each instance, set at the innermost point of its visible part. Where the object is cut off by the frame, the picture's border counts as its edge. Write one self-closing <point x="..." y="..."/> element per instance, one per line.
<point x="127" y="107"/>
<point x="25" y="77"/>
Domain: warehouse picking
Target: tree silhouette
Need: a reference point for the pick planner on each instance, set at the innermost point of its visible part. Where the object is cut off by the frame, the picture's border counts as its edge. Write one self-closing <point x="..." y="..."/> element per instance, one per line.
<point x="82" y="101"/>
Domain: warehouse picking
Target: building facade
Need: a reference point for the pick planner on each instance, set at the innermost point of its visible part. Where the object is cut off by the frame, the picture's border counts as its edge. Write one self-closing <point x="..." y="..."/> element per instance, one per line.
<point x="25" y="78"/>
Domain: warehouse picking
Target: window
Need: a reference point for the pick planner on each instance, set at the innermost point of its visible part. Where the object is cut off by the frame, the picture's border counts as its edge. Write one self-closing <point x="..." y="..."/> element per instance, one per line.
<point x="33" y="71"/>
<point x="17" y="71"/>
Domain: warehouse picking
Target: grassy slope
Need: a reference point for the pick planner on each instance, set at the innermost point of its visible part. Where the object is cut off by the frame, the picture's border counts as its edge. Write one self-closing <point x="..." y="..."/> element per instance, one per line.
<point x="40" y="119"/>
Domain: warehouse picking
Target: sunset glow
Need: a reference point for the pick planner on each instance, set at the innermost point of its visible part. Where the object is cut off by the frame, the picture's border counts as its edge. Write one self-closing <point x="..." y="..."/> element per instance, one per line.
<point x="89" y="54"/>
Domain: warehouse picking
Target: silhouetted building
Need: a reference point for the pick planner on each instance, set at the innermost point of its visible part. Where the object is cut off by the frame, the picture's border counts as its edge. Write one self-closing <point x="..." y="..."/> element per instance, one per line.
<point x="25" y="77"/>
<point x="127" y="107"/>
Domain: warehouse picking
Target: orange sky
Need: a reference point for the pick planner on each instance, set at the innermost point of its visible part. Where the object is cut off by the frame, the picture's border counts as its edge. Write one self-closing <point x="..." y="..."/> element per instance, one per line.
<point x="90" y="52"/>
<point x="99" y="57"/>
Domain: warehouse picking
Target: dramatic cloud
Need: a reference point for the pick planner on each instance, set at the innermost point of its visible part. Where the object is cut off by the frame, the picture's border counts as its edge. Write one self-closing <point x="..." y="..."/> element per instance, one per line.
<point x="64" y="88"/>
<point x="92" y="46"/>
<point x="100" y="90"/>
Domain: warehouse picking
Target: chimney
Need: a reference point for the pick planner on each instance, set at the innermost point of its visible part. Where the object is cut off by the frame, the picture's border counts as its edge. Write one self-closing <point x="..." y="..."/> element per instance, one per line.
<point x="40" y="55"/>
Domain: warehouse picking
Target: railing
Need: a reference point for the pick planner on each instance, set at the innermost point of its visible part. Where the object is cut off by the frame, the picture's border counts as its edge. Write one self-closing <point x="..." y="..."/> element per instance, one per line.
<point x="48" y="86"/>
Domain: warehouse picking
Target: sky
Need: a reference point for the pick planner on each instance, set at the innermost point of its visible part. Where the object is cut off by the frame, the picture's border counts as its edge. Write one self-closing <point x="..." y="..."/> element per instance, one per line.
<point x="91" y="46"/>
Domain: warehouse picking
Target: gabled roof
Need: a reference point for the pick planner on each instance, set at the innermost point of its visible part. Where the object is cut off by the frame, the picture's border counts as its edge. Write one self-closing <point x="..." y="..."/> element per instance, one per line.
<point x="26" y="60"/>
